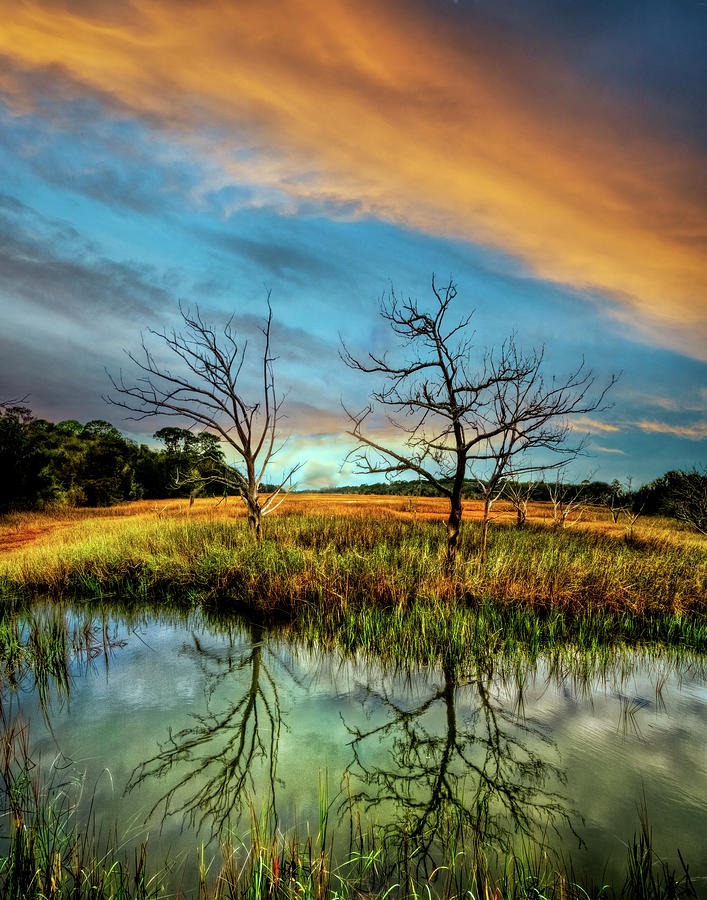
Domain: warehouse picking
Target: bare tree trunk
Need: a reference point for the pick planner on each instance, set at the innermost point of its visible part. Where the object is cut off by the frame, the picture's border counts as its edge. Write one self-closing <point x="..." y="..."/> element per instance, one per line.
<point x="254" y="515"/>
<point x="254" y="522"/>
<point x="485" y="528"/>
<point x="455" y="518"/>
<point x="453" y="525"/>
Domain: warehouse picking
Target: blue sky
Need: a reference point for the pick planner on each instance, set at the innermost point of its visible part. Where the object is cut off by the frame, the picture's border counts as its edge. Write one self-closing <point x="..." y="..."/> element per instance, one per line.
<point x="548" y="156"/>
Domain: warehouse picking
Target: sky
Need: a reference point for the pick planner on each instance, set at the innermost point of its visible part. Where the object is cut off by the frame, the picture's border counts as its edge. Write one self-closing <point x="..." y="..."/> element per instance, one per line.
<point x="547" y="155"/>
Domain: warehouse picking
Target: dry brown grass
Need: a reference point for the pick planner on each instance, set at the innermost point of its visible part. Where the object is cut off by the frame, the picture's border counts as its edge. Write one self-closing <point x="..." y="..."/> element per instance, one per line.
<point x="21" y="531"/>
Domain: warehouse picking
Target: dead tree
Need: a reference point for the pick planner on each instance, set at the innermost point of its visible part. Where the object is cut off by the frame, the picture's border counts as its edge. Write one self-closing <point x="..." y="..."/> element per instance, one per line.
<point x="618" y="499"/>
<point x="567" y="500"/>
<point x="519" y="494"/>
<point x="207" y="391"/>
<point x="454" y="416"/>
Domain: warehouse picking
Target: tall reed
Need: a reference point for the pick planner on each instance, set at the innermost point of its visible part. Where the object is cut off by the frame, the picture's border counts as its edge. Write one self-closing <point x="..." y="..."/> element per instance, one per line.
<point x="336" y="561"/>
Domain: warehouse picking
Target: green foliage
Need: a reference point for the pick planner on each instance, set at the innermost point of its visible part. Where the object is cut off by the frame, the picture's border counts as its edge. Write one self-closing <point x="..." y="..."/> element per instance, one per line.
<point x="597" y="492"/>
<point x="26" y="479"/>
<point x="71" y="464"/>
<point x="680" y="494"/>
<point x="188" y="463"/>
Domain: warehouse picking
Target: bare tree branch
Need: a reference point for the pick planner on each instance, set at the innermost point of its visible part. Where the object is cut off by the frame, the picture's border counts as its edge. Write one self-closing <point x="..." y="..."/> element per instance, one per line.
<point x="453" y="416"/>
<point x="206" y="391"/>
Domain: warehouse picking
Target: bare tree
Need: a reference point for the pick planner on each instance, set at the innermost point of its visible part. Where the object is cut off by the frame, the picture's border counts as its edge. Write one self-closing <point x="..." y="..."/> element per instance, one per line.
<point x="567" y="501"/>
<point x="633" y="507"/>
<point x="519" y="494"/>
<point x="207" y="391"/>
<point x="453" y="416"/>
<point x="491" y="488"/>
<point x="618" y="499"/>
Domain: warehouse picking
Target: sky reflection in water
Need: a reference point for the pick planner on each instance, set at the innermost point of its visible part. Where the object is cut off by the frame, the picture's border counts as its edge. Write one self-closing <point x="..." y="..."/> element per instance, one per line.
<point x="175" y="729"/>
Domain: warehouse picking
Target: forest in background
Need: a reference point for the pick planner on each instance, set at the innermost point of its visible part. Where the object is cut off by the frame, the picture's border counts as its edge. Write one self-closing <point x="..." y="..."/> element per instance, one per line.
<point x="72" y="464"/>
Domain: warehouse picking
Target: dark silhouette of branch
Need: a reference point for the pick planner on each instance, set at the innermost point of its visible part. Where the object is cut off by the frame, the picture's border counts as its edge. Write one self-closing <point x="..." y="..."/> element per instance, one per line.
<point x="205" y="390"/>
<point x="452" y="417"/>
<point x="478" y="776"/>
<point x="214" y="758"/>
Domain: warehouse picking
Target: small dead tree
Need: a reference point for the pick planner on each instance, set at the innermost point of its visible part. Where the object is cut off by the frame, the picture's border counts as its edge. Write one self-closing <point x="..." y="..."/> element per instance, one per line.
<point x="623" y="499"/>
<point x="519" y="494"/>
<point x="491" y="489"/>
<point x="632" y="516"/>
<point x="633" y="508"/>
<point x="617" y="499"/>
<point x="207" y="391"/>
<point x="567" y="501"/>
<point x="452" y="417"/>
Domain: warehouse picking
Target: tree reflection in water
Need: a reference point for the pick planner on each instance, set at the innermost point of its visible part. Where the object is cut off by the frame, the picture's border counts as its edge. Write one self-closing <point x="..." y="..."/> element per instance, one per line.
<point x="483" y="774"/>
<point x="214" y="758"/>
<point x="450" y="779"/>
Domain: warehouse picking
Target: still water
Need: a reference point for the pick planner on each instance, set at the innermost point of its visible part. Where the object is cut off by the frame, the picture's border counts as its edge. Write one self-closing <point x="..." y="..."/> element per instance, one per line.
<point x="179" y="733"/>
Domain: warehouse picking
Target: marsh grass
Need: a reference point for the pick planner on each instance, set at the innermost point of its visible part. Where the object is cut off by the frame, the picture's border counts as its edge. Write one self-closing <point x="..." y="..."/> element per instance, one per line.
<point x="36" y="648"/>
<point x="646" y="587"/>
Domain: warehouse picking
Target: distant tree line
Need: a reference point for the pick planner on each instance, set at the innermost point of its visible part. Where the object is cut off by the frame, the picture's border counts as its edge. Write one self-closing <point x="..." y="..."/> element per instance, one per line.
<point x="680" y="494"/>
<point x="677" y="494"/>
<point x="72" y="464"/>
<point x="596" y="492"/>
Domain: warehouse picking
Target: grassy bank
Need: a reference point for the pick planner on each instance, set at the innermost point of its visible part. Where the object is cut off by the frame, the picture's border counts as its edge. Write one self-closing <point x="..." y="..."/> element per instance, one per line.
<point x="646" y="584"/>
<point x="46" y="861"/>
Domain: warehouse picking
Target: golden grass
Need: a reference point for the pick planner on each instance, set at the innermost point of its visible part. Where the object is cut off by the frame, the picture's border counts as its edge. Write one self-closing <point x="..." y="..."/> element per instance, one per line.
<point x="26" y="531"/>
<point x="334" y="549"/>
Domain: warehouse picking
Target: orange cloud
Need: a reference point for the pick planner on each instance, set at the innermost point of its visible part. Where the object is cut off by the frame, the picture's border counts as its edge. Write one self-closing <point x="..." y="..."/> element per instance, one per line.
<point x="387" y="108"/>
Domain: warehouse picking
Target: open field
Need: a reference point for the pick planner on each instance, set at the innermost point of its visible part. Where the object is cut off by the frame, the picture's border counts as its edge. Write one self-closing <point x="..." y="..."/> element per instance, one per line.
<point x="29" y="530"/>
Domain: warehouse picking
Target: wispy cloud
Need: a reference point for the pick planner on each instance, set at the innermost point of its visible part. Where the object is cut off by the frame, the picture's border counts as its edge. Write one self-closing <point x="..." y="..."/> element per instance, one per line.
<point x="585" y="423"/>
<point x="693" y="400"/>
<point x="696" y="432"/>
<point x="355" y="107"/>
<point x="607" y="449"/>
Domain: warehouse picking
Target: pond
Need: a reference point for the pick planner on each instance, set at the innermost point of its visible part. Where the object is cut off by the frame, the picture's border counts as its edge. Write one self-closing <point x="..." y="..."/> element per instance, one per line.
<point x="182" y="733"/>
